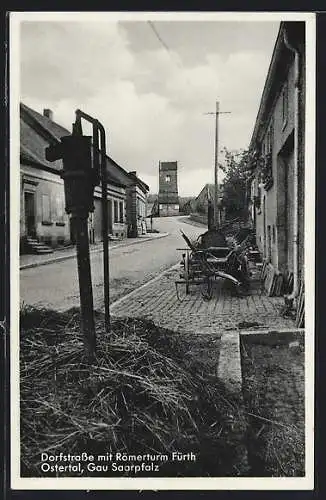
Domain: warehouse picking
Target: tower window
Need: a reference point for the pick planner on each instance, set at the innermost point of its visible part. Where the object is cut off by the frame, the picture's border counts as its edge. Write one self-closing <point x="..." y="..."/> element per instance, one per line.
<point x="168" y="178"/>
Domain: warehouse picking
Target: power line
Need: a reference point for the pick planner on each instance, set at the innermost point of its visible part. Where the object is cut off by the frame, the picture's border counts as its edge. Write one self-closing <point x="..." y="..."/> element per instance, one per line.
<point x="174" y="56"/>
<point x="156" y="33"/>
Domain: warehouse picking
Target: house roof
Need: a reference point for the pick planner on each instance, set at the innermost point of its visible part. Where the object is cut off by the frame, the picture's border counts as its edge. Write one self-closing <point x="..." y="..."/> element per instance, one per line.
<point x="143" y="186"/>
<point x="37" y="132"/>
<point x="43" y="124"/>
<point x="34" y="138"/>
<point x="209" y="190"/>
<point x="276" y="74"/>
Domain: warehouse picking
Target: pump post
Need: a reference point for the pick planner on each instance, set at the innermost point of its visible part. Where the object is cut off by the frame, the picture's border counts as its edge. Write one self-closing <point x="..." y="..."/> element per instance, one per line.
<point x="75" y="151"/>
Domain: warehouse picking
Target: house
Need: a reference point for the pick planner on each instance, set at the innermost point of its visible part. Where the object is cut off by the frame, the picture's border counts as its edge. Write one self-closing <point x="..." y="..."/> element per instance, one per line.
<point x="117" y="206"/>
<point x="208" y="194"/>
<point x="152" y="205"/>
<point x="42" y="205"/>
<point x="168" y="199"/>
<point x="44" y="223"/>
<point x="137" y="192"/>
<point x="186" y="204"/>
<point x="277" y="145"/>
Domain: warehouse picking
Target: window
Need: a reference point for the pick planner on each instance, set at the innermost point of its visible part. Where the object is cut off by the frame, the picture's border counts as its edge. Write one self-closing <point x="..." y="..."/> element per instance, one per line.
<point x="268" y="142"/>
<point x="59" y="208"/>
<point x="271" y="135"/>
<point x="168" y="178"/>
<point x="285" y="103"/>
<point x="141" y="207"/>
<point x="116" y="216"/>
<point x="46" y="215"/>
<point x="176" y="207"/>
<point x="121" y="212"/>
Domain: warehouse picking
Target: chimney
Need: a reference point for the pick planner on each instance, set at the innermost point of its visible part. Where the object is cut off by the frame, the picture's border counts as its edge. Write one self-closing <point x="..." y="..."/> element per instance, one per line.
<point x="48" y="113"/>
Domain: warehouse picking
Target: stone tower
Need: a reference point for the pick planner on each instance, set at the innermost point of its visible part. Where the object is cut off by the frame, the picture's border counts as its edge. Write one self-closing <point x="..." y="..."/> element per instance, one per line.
<point x="168" y="199"/>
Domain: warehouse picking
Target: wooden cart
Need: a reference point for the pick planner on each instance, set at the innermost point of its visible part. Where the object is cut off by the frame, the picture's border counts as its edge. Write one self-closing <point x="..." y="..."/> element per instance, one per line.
<point x="210" y="258"/>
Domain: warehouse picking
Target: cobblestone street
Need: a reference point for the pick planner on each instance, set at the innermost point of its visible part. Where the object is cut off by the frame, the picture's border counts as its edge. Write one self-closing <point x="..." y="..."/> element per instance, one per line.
<point x="158" y="301"/>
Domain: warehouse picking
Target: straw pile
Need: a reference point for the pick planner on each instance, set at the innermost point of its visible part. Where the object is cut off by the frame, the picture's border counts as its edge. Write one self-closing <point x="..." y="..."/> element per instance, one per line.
<point x="137" y="397"/>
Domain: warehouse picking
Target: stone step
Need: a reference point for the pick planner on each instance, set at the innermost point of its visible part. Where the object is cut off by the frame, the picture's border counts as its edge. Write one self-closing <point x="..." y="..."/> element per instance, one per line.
<point x="37" y="247"/>
<point x="43" y="250"/>
<point x="42" y="247"/>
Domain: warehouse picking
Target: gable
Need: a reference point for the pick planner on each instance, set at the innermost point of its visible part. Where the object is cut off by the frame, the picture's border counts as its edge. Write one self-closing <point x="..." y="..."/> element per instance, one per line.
<point x="32" y="147"/>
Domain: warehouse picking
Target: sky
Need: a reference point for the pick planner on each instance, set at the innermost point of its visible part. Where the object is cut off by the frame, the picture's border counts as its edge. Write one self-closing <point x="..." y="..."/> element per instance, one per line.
<point x="150" y="85"/>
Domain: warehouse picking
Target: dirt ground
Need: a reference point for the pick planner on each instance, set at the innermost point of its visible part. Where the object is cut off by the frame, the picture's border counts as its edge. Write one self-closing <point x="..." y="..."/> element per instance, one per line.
<point x="149" y="389"/>
<point x="273" y="385"/>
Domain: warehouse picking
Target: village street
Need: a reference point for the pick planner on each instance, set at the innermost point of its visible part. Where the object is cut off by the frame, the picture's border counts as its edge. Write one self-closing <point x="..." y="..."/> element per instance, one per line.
<point x="182" y="365"/>
<point x="55" y="285"/>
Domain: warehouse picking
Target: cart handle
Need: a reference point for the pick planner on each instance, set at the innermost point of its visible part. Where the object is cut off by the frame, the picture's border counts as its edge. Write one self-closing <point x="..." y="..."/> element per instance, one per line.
<point x="187" y="240"/>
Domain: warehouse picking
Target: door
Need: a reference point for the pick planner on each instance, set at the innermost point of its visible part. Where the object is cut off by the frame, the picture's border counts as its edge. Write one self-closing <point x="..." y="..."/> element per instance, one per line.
<point x="30" y="226"/>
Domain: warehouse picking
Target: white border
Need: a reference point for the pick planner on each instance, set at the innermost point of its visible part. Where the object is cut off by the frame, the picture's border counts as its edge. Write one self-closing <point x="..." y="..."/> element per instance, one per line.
<point x="305" y="483"/>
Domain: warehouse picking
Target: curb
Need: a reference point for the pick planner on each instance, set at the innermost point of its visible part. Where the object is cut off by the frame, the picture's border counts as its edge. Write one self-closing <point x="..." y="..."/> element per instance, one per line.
<point x="96" y="250"/>
<point x="144" y="285"/>
<point x="230" y="373"/>
<point x="229" y="364"/>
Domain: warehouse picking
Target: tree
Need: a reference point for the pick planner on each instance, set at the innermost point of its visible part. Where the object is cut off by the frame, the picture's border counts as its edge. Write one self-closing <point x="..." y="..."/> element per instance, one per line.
<point x="238" y="176"/>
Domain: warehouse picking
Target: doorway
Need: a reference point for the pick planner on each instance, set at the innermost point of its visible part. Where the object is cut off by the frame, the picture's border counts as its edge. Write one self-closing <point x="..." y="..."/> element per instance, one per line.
<point x="29" y="203"/>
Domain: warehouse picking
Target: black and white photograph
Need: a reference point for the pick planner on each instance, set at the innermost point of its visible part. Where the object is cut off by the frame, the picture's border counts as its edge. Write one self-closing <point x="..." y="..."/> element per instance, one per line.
<point x="162" y="203"/>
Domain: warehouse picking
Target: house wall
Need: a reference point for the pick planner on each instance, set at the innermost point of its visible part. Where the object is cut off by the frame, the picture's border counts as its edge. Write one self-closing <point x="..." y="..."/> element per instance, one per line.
<point x="274" y="218"/>
<point x="301" y="165"/>
<point x="201" y="202"/>
<point x="52" y="224"/>
<point x="117" y="220"/>
<point x="136" y="210"/>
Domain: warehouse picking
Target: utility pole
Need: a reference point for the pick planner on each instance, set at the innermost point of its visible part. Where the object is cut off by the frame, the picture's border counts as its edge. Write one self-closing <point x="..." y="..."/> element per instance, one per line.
<point x="216" y="213"/>
<point x="216" y="113"/>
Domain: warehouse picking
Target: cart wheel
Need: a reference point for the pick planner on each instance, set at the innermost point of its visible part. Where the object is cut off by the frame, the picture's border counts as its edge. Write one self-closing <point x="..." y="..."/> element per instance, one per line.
<point x="207" y="288"/>
<point x="187" y="272"/>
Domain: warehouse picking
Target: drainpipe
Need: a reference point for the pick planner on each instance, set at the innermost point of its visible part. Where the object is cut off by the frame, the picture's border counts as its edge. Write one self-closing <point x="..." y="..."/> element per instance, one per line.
<point x="296" y="167"/>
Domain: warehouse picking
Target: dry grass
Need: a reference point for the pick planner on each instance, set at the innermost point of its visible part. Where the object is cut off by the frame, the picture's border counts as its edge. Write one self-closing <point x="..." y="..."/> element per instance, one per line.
<point x="137" y="397"/>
